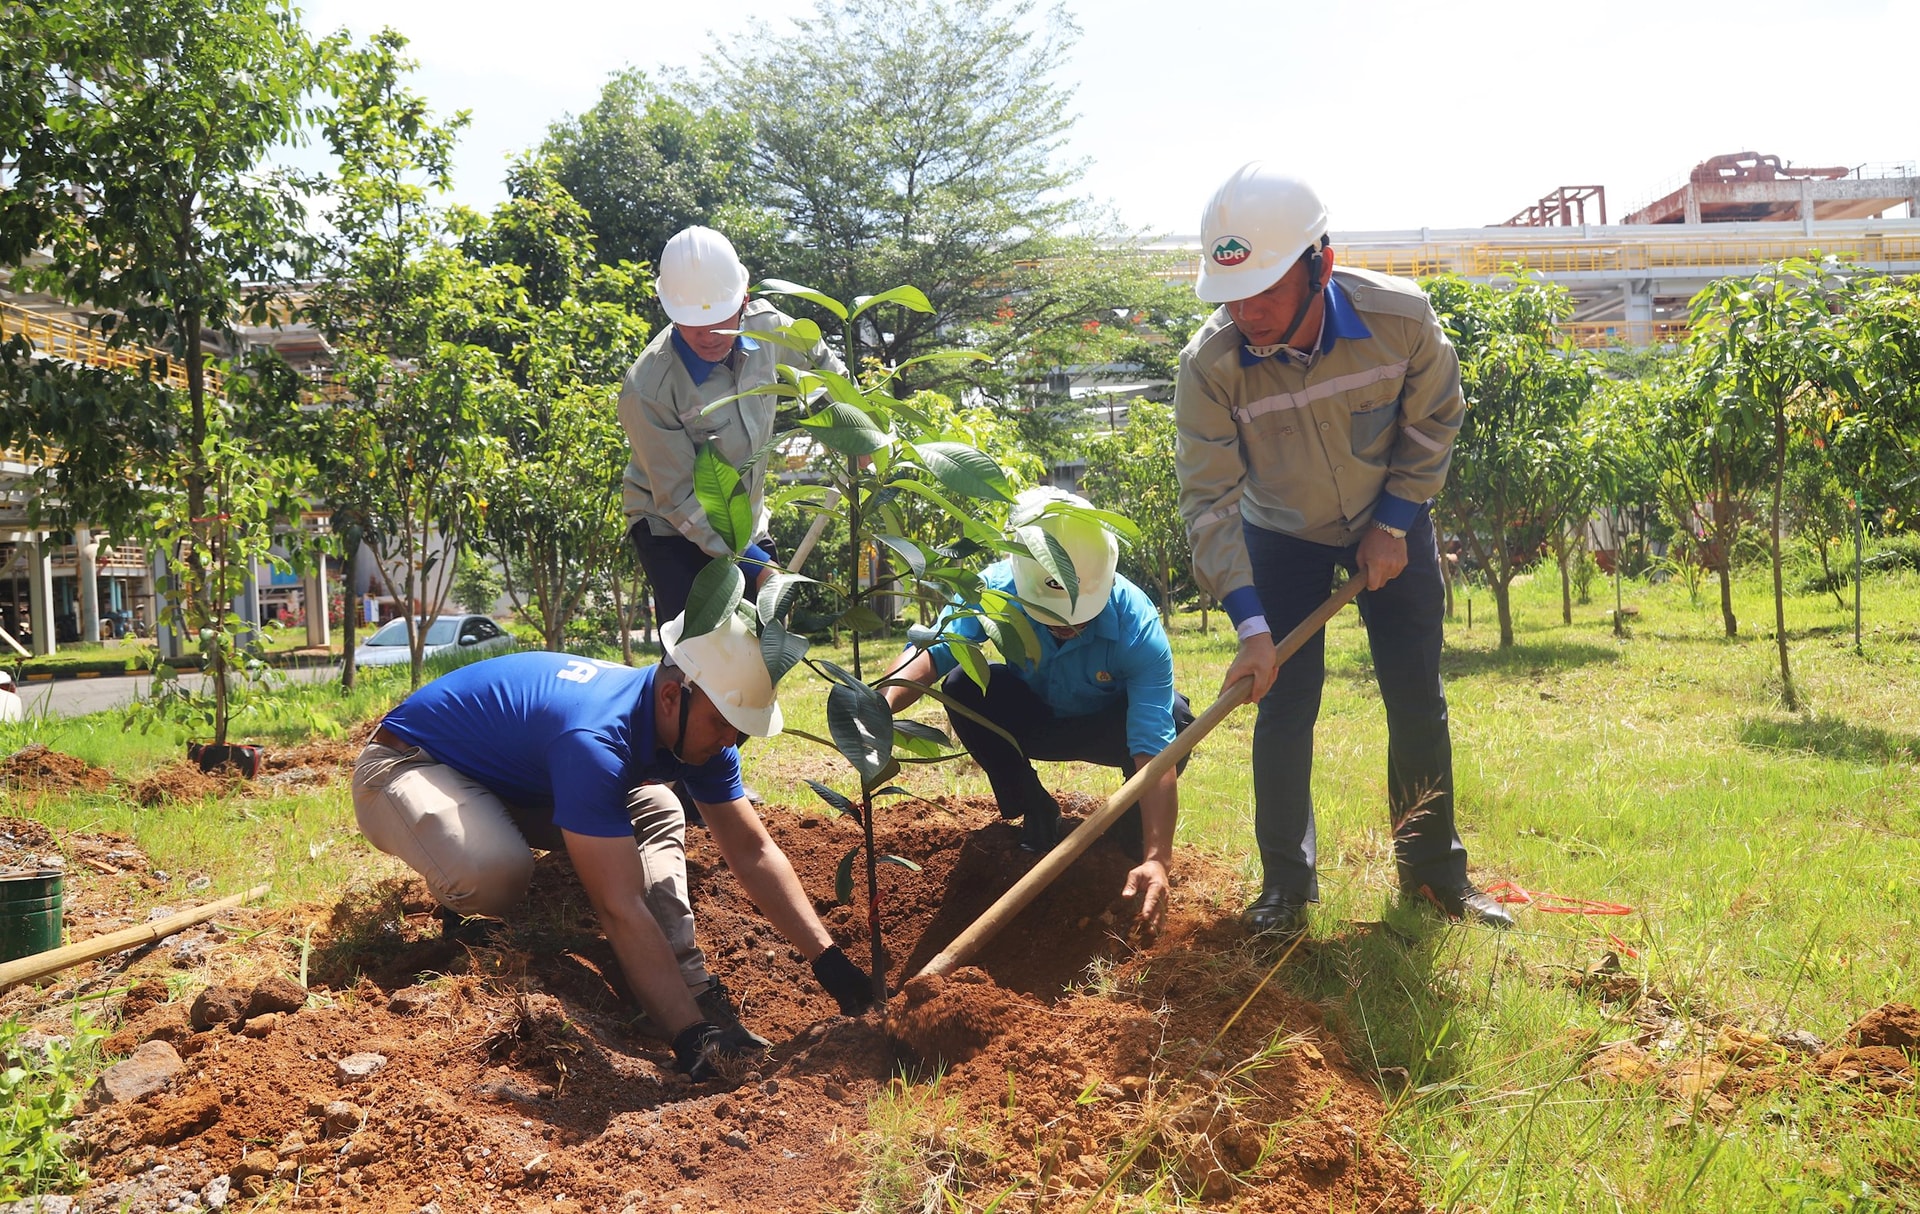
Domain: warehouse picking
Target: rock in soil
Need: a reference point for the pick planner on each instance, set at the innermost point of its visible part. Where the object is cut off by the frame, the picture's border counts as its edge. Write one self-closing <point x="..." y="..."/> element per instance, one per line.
<point x="276" y="994"/>
<point x="219" y="1004"/>
<point x="151" y="1068"/>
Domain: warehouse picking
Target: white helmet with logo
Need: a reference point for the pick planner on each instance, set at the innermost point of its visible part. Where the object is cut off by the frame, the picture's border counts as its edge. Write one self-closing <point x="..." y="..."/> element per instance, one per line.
<point x="1092" y="549"/>
<point x="701" y="280"/>
<point x="1253" y="230"/>
<point x="726" y="664"/>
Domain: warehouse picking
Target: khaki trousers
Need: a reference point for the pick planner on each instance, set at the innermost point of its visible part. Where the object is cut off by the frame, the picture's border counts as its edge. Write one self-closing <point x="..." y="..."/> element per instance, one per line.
<point x="475" y="851"/>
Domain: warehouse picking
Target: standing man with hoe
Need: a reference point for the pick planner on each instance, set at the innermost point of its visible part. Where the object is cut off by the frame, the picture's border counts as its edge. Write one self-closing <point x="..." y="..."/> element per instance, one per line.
<point x="1316" y="413"/>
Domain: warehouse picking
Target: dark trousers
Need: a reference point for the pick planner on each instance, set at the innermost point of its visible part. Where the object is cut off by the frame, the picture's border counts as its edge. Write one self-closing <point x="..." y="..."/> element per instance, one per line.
<point x="1011" y="704"/>
<point x="671" y="563"/>
<point x="1404" y="623"/>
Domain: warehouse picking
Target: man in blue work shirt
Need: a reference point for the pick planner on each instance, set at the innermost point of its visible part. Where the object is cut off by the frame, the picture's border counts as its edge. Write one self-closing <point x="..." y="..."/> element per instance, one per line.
<point x="1101" y="691"/>
<point x="557" y="752"/>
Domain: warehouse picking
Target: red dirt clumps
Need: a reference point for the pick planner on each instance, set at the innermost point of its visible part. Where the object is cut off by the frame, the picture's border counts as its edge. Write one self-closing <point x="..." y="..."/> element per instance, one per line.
<point x="35" y="768"/>
<point x="182" y="781"/>
<point x="517" y="1078"/>
<point x="1892" y="1024"/>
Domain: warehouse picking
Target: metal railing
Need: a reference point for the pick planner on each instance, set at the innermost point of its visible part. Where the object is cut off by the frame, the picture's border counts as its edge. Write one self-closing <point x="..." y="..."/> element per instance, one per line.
<point x="1602" y="334"/>
<point x="58" y="337"/>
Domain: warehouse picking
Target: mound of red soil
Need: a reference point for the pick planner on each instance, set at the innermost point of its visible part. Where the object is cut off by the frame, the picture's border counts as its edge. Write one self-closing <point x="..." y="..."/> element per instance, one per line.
<point x="1065" y="1062"/>
<point x="182" y="781"/>
<point x="35" y="768"/>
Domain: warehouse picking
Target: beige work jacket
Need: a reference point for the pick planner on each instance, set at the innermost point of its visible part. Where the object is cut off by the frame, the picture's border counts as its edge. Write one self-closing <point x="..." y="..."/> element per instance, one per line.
<point x="663" y="412"/>
<point x="1308" y="451"/>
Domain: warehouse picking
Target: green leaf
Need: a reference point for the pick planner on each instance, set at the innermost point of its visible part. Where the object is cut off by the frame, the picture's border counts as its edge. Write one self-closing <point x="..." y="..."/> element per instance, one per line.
<point x="965" y="470"/>
<point x="973" y="529"/>
<point x="780" y="286"/>
<point x="776" y="591"/>
<point x="902" y="861"/>
<point x="835" y="799"/>
<point x="912" y="553"/>
<point x="947" y="356"/>
<point x="1051" y="557"/>
<point x="843" y="877"/>
<point x="847" y="429"/>
<point x="905" y="296"/>
<point x="711" y="599"/>
<point x="971" y="660"/>
<point x="886" y="773"/>
<point x="918" y="739"/>
<point x="860" y="618"/>
<point x="717" y="486"/>
<point x="780" y="650"/>
<point x="862" y="728"/>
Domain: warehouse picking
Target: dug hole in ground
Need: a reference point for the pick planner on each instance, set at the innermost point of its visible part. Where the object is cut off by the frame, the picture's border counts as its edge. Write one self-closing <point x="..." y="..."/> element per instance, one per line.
<point x="419" y="1075"/>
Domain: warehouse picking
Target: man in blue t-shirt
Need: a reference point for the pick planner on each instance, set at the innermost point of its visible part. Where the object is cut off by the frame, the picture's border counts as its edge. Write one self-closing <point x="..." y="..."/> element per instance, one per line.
<point x="1101" y="691"/>
<point x="557" y="752"/>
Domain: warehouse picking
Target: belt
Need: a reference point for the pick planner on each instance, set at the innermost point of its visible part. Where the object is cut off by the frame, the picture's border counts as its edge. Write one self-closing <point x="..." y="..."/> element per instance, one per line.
<point x="386" y="737"/>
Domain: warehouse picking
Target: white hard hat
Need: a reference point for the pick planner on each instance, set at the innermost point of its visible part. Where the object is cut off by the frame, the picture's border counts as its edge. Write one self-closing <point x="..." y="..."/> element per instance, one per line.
<point x="726" y="664"/>
<point x="701" y="280"/>
<point x="1092" y="549"/>
<point x="6" y="680"/>
<point x="1253" y="230"/>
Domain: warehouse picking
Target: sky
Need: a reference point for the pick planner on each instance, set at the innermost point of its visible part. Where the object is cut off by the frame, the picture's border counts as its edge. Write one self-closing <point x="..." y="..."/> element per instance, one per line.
<point x="1403" y="113"/>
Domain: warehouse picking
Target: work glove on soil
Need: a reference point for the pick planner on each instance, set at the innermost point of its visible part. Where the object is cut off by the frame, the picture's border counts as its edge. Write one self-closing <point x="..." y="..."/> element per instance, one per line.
<point x="703" y="1049"/>
<point x="845" y="981"/>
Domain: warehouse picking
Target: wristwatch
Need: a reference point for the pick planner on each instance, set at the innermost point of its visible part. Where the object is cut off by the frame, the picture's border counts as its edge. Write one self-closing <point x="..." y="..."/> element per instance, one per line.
<point x="1398" y="533"/>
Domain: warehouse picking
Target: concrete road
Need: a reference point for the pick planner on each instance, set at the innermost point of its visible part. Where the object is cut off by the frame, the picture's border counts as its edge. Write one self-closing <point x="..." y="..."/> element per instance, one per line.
<point x="77" y="697"/>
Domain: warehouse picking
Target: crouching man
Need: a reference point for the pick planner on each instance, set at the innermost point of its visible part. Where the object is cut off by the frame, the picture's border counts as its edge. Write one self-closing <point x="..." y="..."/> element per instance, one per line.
<point x="550" y="751"/>
<point x="1099" y="691"/>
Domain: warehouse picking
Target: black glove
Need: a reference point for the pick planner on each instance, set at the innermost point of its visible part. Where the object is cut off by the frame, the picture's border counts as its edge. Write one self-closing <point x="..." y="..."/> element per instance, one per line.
<point x="703" y="1047"/>
<point x="845" y="981"/>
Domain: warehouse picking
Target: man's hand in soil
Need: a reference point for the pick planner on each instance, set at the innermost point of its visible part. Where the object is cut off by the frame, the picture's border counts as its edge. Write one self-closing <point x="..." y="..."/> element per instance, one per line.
<point x="703" y="1049"/>
<point x="1149" y="881"/>
<point x="851" y="986"/>
<point x="1381" y="557"/>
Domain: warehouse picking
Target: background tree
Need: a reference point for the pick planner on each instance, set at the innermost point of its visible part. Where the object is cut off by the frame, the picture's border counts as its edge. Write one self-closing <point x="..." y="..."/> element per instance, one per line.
<point x="1707" y="478"/>
<point x="1132" y="473"/>
<point x="645" y="163"/>
<point x="1766" y="343"/>
<point x="910" y="141"/>
<point x="136" y="137"/>
<point x="1520" y="474"/>
<point x="401" y="300"/>
<point x="567" y="333"/>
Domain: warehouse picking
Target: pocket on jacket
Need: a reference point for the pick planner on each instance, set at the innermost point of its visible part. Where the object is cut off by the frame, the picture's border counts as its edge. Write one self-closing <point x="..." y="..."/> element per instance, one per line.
<point x="1375" y="421"/>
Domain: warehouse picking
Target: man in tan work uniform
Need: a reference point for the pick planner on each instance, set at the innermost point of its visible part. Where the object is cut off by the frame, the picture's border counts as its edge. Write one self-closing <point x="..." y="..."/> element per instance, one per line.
<point x="707" y="354"/>
<point x="1316" y="412"/>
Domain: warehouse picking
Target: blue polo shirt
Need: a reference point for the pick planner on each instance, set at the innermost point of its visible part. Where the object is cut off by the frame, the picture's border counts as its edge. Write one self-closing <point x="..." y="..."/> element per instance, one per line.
<point x="549" y="730"/>
<point x="1122" y="652"/>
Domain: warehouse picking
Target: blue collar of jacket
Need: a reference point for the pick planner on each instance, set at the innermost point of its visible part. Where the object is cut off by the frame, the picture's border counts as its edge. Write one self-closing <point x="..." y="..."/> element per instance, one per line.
<point x="699" y="368"/>
<point x="1342" y="320"/>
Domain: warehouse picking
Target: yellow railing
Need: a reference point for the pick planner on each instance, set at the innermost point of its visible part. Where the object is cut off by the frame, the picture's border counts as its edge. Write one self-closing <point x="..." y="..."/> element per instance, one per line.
<point x="58" y="337"/>
<point x="1601" y="334"/>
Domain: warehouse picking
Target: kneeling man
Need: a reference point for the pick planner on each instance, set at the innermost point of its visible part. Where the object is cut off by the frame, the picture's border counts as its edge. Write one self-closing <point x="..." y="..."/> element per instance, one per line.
<point x="551" y="751"/>
<point x="1100" y="691"/>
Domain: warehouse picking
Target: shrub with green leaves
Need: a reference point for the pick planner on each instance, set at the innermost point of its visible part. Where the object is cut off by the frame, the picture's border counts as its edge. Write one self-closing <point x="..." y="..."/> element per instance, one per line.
<point x="41" y="1087"/>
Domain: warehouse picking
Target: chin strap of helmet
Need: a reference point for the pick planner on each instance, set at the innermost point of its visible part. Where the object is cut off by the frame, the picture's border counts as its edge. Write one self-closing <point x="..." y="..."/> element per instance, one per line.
<point x="686" y="707"/>
<point x="1315" y="260"/>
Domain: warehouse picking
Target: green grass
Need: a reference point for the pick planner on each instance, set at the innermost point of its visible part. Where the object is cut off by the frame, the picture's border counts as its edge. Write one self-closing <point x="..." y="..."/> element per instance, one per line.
<point x="1772" y="860"/>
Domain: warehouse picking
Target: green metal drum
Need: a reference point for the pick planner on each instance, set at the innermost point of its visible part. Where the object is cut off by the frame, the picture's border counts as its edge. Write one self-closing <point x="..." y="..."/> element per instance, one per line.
<point x="31" y="914"/>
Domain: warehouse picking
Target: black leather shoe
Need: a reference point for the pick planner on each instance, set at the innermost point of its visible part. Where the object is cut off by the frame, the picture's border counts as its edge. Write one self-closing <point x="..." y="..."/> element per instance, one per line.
<point x="1041" y="830"/>
<point x="1468" y="903"/>
<point x="1283" y="916"/>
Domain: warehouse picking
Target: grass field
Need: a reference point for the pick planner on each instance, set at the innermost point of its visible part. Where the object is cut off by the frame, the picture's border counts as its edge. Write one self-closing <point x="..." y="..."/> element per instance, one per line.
<point x="1771" y="861"/>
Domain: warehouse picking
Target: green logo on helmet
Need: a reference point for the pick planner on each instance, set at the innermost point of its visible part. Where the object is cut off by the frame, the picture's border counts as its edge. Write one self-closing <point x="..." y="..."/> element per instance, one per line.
<point x="1230" y="251"/>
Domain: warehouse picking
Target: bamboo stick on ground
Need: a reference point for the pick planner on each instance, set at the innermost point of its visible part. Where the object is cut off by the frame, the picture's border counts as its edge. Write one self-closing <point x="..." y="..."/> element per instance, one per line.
<point x="39" y="965"/>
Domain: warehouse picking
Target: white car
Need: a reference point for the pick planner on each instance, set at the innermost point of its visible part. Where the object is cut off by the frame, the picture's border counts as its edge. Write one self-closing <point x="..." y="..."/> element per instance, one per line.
<point x="471" y="634"/>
